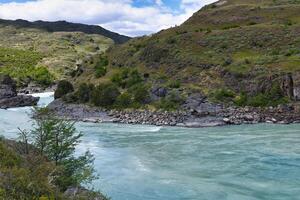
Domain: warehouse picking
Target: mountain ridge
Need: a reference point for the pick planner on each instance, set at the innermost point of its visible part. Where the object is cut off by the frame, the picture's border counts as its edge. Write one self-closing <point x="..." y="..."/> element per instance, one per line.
<point x="64" y="26"/>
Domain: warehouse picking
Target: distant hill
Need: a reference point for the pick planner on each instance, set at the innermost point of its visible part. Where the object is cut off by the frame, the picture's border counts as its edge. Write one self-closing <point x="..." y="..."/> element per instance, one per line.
<point x="63" y="26"/>
<point x="43" y="52"/>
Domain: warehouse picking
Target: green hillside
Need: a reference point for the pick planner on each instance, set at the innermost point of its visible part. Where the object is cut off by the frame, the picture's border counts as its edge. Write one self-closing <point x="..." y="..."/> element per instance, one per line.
<point x="241" y="52"/>
<point x="39" y="54"/>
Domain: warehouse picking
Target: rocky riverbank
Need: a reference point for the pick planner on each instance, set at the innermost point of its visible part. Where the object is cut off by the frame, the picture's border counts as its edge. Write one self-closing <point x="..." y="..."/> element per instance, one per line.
<point x="207" y="115"/>
<point x="9" y="97"/>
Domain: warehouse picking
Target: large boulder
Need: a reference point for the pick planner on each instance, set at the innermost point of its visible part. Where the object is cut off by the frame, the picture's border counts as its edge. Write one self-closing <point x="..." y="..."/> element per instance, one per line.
<point x="158" y="92"/>
<point x="18" y="101"/>
<point x="9" y="97"/>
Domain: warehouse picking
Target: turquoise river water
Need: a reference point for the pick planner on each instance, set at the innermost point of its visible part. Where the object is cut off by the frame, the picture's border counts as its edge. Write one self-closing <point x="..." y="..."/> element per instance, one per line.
<point x="249" y="162"/>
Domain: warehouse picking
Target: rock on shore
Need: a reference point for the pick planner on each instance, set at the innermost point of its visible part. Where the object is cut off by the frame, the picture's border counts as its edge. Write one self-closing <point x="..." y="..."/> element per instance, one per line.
<point x="9" y="97"/>
<point x="79" y="112"/>
<point x="206" y="115"/>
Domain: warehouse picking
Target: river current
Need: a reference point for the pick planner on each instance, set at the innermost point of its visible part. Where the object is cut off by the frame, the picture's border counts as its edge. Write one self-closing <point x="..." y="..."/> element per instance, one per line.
<point x="135" y="162"/>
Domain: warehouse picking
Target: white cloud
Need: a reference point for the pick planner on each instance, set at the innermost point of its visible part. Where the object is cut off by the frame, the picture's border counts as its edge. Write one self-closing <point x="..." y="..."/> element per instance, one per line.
<point x="117" y="15"/>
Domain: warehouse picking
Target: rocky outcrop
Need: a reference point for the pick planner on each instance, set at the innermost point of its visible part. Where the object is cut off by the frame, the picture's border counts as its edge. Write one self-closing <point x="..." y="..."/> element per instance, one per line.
<point x="291" y="86"/>
<point x="9" y="97"/>
<point x="7" y="87"/>
<point x="82" y="193"/>
<point x="18" y="101"/>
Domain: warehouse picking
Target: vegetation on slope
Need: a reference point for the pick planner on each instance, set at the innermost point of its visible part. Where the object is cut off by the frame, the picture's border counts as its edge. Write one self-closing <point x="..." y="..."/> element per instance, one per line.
<point x="31" y="54"/>
<point x="23" y="66"/>
<point x="249" y="49"/>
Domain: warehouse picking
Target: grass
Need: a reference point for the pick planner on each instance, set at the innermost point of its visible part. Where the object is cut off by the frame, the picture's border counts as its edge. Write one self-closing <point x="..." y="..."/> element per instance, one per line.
<point x="22" y="65"/>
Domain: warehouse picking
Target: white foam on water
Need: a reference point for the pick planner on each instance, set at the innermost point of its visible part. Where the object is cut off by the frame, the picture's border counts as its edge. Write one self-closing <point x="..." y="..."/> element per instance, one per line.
<point x="152" y="129"/>
<point x="22" y="109"/>
<point x="140" y="165"/>
<point x="42" y="95"/>
<point x="143" y="129"/>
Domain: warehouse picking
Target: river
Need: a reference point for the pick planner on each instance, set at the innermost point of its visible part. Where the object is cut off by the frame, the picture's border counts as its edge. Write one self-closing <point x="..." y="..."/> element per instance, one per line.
<point x="135" y="162"/>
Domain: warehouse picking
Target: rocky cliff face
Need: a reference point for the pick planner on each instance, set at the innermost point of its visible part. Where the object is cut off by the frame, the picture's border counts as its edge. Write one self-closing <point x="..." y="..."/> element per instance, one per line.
<point x="291" y="86"/>
<point x="9" y="97"/>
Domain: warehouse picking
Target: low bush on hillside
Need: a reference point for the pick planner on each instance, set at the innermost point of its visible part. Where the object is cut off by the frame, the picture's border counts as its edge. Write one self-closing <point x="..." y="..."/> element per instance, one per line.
<point x="101" y="67"/>
<point x="126" y="78"/>
<point x="84" y="92"/>
<point x="105" y="95"/>
<point x="174" y="84"/>
<point x="222" y="95"/>
<point x="140" y="94"/>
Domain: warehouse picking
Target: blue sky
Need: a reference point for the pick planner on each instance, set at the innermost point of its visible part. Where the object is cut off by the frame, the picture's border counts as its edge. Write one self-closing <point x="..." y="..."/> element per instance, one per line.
<point x="130" y="17"/>
<point x="174" y="4"/>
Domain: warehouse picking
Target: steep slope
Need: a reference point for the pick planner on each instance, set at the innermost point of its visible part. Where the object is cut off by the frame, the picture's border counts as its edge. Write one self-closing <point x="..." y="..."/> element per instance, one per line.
<point x="234" y="51"/>
<point x="41" y="52"/>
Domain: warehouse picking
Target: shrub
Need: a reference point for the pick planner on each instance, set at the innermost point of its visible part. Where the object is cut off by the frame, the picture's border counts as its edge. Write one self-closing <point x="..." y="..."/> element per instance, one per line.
<point x="117" y="78"/>
<point x="174" y="84"/>
<point x="127" y="78"/>
<point x="63" y="87"/>
<point x="227" y="61"/>
<point x="140" y="94"/>
<point x="100" y="68"/>
<point x="124" y="100"/>
<point x="84" y="92"/>
<point x="134" y="78"/>
<point x="103" y="62"/>
<point x="42" y="76"/>
<point x="105" y="95"/>
<point x="171" y="40"/>
<point x="120" y="77"/>
<point x="222" y="95"/>
<point x="230" y="26"/>
<point x="70" y="98"/>
<point x="241" y="100"/>
<point x="171" y="102"/>
<point x="100" y="72"/>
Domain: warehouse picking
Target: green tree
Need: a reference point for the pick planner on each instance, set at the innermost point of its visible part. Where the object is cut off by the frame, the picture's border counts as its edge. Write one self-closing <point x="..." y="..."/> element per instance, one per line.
<point x="56" y="139"/>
